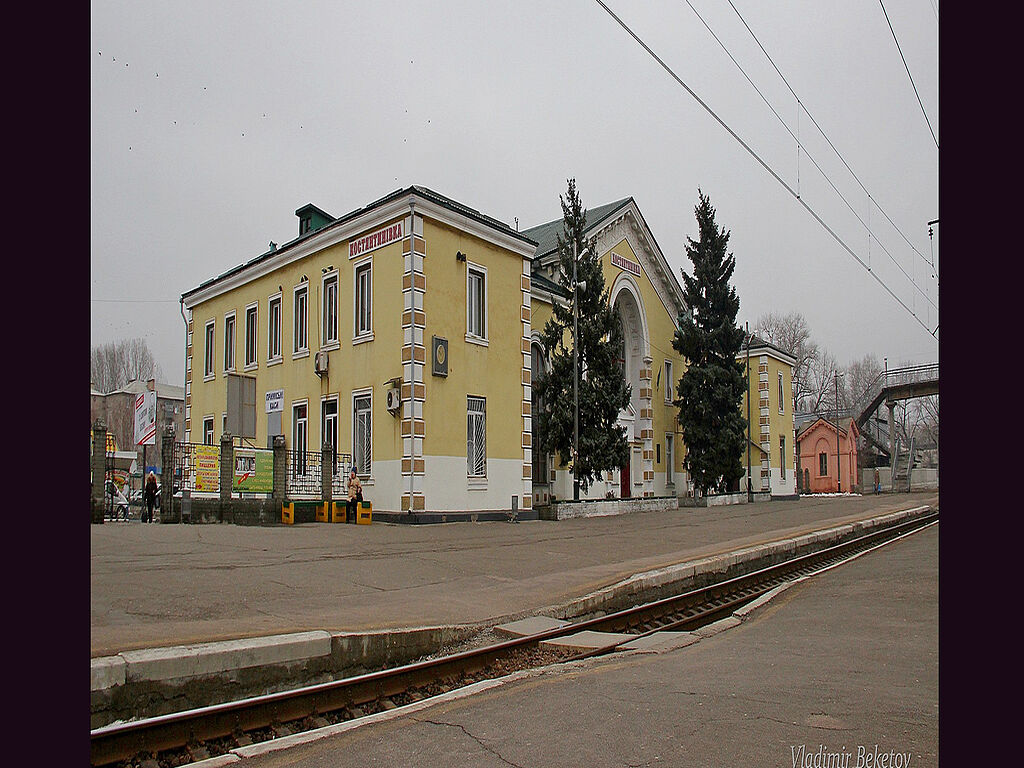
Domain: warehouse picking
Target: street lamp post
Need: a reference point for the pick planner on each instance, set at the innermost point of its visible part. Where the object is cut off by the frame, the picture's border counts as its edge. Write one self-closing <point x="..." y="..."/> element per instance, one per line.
<point x="750" y="492"/>
<point x="575" y="380"/>
<point x="839" y="470"/>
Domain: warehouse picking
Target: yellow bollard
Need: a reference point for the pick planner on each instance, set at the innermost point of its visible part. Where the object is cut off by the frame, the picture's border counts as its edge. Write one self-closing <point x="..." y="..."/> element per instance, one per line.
<point x="364" y="513"/>
<point x="338" y="512"/>
<point x="288" y="513"/>
<point x="321" y="512"/>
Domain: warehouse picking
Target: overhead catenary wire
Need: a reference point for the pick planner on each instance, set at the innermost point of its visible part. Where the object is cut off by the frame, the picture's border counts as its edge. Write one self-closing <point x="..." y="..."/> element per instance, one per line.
<point x="763" y="164"/>
<point x="923" y="112"/>
<point x="803" y="106"/>
<point x="796" y="137"/>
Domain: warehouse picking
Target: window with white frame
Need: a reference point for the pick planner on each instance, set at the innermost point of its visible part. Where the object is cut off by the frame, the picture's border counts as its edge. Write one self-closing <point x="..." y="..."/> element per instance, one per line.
<point x="782" y="453"/>
<point x="274" y="328"/>
<point x="208" y="430"/>
<point x="362" y="434"/>
<point x="782" y="395"/>
<point x="669" y="383"/>
<point x="229" y="342"/>
<point x="300" y="418"/>
<point x="208" y="359"/>
<point x="476" y="437"/>
<point x="476" y="302"/>
<point x="329" y="315"/>
<point x="329" y="425"/>
<point x="300" y="324"/>
<point x="670" y="454"/>
<point x="363" y="303"/>
<point x="251" y="316"/>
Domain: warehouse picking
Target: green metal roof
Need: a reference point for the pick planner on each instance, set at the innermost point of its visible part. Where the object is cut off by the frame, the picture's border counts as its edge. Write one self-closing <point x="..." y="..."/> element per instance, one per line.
<point x="423" y="192"/>
<point x="546" y="235"/>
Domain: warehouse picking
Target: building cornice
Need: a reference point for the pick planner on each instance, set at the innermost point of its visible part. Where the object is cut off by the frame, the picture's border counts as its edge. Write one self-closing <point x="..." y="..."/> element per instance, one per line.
<point x="346" y="230"/>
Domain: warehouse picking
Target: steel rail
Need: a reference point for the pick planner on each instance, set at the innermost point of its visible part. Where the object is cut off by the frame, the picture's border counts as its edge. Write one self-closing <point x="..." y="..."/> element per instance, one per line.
<point x="121" y="741"/>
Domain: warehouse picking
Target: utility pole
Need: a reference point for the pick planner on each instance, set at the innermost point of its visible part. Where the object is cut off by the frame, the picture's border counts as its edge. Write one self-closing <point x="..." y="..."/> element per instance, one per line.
<point x="575" y="379"/>
<point x="839" y="472"/>
<point x="750" y="492"/>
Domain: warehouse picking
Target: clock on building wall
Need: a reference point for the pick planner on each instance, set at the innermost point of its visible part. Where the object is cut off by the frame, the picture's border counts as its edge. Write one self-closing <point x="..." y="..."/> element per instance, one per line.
<point x="439" y="356"/>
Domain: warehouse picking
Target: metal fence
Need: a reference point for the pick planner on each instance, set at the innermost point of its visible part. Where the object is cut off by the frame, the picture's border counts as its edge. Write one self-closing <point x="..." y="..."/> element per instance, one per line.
<point x="339" y="482"/>
<point x="190" y="473"/>
<point x="303" y="475"/>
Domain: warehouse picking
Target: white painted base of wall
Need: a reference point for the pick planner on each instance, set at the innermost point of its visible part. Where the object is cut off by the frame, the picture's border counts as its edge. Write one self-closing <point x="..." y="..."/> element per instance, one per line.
<point x="447" y="488"/>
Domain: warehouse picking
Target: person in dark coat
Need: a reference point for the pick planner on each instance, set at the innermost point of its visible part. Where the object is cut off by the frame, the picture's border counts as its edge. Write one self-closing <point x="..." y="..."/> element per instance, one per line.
<point x="150" y="496"/>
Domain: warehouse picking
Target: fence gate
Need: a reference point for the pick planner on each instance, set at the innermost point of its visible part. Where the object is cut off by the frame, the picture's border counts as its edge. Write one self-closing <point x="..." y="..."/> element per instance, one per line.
<point x="108" y="485"/>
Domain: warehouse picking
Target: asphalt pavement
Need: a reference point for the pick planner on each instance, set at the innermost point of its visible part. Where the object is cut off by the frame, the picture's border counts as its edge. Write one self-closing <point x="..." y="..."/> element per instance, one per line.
<point x="162" y="585"/>
<point x="839" y="670"/>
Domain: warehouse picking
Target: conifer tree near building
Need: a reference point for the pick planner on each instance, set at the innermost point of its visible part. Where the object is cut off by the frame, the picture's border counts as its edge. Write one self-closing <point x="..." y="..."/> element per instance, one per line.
<point x="603" y="390"/>
<point x="711" y="389"/>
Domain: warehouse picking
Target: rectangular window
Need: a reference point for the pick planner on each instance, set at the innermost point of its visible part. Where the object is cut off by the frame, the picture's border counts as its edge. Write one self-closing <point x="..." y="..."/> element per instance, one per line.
<point x="329" y="426"/>
<point x="476" y="303"/>
<point x="822" y="464"/>
<point x="208" y="430"/>
<point x="782" y="396"/>
<point x="363" y="322"/>
<point x="329" y="316"/>
<point x="299" y="427"/>
<point x="274" y="328"/>
<point x="670" y="385"/>
<point x="670" y="455"/>
<point x="208" y="359"/>
<point x="300" y="336"/>
<point x="251" y="316"/>
<point x="476" y="436"/>
<point x="229" y="342"/>
<point x="362" y="434"/>
<point x="782" y="453"/>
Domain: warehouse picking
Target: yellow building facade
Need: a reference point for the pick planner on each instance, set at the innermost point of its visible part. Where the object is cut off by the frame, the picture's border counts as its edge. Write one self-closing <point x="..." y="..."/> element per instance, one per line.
<point x="406" y="335"/>
<point x="772" y="418"/>
<point x="648" y="300"/>
<point x="398" y="334"/>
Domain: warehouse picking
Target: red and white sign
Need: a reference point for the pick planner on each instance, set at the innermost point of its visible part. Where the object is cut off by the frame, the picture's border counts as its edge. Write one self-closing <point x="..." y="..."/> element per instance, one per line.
<point x="378" y="239"/>
<point x="145" y="418"/>
<point x="630" y="266"/>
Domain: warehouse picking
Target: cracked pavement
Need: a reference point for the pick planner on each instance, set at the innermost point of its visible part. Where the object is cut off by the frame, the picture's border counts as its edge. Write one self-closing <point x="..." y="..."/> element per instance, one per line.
<point x="845" y="660"/>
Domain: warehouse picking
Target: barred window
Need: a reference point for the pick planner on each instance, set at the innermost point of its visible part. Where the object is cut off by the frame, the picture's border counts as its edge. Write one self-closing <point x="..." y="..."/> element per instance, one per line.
<point x="476" y="436"/>
<point x="782" y="452"/>
<point x="669" y="458"/>
<point x="362" y="435"/>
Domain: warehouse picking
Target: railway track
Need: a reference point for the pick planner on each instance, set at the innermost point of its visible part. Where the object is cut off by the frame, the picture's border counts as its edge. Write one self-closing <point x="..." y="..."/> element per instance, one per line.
<point x="180" y="738"/>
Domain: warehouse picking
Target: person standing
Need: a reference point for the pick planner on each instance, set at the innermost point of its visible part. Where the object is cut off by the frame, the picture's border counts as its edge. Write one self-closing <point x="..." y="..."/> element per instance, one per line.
<point x="355" y="495"/>
<point x="150" y="497"/>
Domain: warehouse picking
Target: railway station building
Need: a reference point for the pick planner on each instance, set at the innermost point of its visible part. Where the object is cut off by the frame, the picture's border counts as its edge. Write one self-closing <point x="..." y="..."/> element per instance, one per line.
<point x="406" y="335"/>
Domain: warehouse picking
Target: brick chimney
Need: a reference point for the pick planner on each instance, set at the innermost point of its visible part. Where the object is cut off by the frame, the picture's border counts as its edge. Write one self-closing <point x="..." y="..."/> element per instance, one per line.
<point x="151" y="385"/>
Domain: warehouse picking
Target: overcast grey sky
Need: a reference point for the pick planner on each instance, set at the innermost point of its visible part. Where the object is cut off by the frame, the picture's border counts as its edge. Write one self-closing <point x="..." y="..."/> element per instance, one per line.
<point x="212" y="122"/>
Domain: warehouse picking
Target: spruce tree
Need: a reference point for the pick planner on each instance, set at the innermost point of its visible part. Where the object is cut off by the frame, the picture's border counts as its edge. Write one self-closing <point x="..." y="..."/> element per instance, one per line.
<point x="603" y="390"/>
<point x="711" y="389"/>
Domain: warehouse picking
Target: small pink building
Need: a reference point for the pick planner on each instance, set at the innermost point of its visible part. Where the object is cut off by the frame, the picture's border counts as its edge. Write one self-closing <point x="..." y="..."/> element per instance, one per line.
<point x="816" y="448"/>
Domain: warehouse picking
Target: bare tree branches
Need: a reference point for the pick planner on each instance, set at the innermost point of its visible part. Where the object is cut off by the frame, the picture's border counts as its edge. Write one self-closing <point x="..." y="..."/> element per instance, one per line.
<point x="792" y="335"/>
<point x="113" y="365"/>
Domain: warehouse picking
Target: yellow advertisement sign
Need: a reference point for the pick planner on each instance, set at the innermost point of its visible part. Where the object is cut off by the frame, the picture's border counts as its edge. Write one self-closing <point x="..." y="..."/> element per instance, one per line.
<point x="207" y="468"/>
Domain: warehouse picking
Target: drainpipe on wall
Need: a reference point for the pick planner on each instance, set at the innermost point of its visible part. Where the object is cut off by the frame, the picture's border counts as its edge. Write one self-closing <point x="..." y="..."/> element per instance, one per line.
<point x="184" y="411"/>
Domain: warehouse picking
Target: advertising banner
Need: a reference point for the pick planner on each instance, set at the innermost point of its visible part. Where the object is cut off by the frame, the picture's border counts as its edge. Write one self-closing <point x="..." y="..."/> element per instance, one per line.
<point x="254" y="470"/>
<point x="207" y="468"/>
<point x="145" y="418"/>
